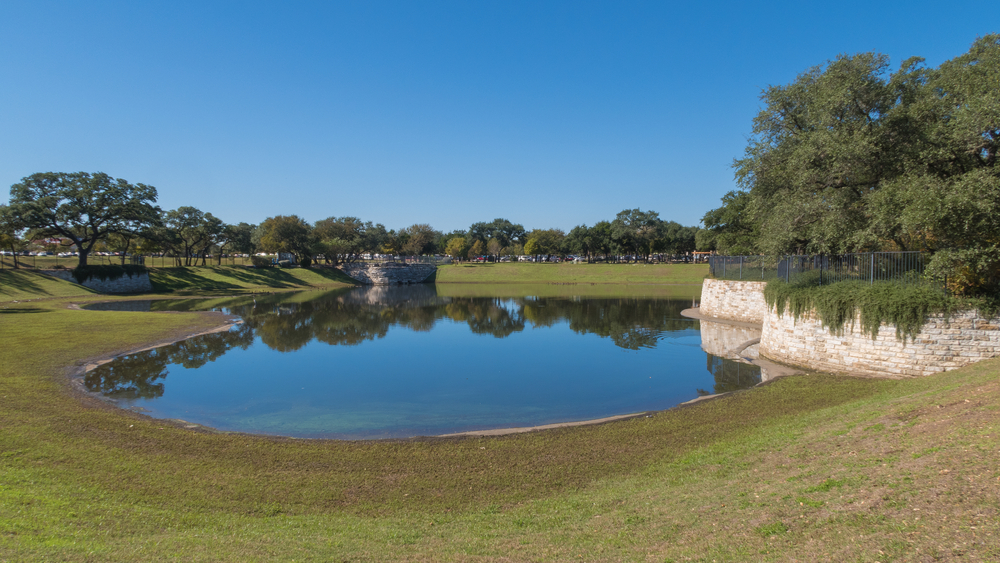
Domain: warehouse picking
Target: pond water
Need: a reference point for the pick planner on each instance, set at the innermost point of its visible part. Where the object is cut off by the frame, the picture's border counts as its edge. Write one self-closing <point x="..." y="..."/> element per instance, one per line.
<point x="397" y="362"/>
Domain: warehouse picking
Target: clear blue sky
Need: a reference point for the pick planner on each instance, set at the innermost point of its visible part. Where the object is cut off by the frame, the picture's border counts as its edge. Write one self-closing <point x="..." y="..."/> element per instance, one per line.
<point x="549" y="114"/>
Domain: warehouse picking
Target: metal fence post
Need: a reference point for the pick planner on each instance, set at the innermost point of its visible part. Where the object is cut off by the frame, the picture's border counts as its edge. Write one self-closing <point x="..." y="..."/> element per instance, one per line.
<point x="741" y="267"/>
<point x="871" y="274"/>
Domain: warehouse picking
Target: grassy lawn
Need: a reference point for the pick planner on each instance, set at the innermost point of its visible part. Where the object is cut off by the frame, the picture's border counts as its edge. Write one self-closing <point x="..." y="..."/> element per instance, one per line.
<point x="223" y="279"/>
<point x="812" y="468"/>
<point x="526" y="272"/>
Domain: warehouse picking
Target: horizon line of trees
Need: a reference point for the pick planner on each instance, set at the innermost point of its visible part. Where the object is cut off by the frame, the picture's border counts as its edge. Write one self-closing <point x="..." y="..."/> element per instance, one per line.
<point x="94" y="211"/>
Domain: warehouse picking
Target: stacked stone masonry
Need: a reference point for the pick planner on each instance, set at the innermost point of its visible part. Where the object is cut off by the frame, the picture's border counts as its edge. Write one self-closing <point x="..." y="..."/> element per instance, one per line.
<point x="138" y="283"/>
<point x="944" y="343"/>
<point x="734" y="300"/>
<point x="390" y="273"/>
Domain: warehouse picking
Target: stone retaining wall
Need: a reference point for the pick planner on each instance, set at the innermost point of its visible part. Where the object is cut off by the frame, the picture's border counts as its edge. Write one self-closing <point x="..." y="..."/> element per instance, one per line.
<point x="943" y="343"/>
<point x="733" y="300"/>
<point x="390" y="273"/>
<point x="138" y="283"/>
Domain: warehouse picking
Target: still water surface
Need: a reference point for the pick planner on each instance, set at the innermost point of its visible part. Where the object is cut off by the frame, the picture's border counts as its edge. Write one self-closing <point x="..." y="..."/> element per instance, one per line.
<point x="399" y="362"/>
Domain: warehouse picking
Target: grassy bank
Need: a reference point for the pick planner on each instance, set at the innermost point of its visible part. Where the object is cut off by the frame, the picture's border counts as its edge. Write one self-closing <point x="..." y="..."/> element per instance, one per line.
<point x="223" y="279"/>
<point x="526" y="272"/>
<point x="817" y="468"/>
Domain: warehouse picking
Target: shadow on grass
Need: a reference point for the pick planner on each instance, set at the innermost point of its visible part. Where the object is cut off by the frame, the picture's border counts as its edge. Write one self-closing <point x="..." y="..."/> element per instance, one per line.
<point x="16" y="311"/>
<point x="229" y="278"/>
<point x="19" y="281"/>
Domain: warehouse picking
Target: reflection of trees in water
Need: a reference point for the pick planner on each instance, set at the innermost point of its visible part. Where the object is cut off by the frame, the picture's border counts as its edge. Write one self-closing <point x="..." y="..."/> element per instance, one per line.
<point x="630" y="323"/>
<point x="731" y="375"/>
<point x="137" y="376"/>
<point x="354" y="316"/>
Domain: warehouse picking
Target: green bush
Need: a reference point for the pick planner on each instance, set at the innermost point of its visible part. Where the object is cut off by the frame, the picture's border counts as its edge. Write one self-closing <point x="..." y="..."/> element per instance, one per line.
<point x="306" y="262"/>
<point x="261" y="261"/>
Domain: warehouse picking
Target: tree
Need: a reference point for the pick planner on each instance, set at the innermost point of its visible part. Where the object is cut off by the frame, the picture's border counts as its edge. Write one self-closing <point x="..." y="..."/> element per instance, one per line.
<point x="600" y="238"/>
<point x="287" y="233"/>
<point x="544" y="242"/>
<point x="240" y="238"/>
<point x="633" y="231"/>
<point x="420" y="239"/>
<point x="730" y="229"/>
<point x="189" y="233"/>
<point x="456" y="247"/>
<point x="493" y="248"/>
<point x="504" y="231"/>
<point x="476" y="250"/>
<point x="82" y="207"/>
<point x="851" y="158"/>
<point x="11" y="232"/>
<point x="347" y="238"/>
<point x="579" y="241"/>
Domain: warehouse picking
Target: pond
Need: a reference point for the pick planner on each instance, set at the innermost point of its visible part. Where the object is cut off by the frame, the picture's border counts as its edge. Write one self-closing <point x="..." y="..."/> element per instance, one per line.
<point x="397" y="362"/>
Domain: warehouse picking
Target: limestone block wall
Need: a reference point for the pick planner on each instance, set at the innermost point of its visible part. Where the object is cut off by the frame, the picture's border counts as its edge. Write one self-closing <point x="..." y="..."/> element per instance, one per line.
<point x="943" y="344"/>
<point x="138" y="283"/>
<point x="733" y="300"/>
<point x="391" y="273"/>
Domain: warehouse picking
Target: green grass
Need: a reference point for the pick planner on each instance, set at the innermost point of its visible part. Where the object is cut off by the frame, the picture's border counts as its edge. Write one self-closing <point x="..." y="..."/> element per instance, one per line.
<point x="787" y="471"/>
<point x="562" y="290"/>
<point x="526" y="272"/>
<point x="16" y="285"/>
<point x="219" y="279"/>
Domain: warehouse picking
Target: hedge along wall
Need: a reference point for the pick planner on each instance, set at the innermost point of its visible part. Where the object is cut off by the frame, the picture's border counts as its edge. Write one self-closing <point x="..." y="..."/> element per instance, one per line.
<point x="942" y="344"/>
<point x="733" y="300"/>
<point x="138" y="283"/>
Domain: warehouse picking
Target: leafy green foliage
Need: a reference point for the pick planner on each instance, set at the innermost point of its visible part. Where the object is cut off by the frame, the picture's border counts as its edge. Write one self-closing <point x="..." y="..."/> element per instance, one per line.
<point x="261" y="261"/>
<point x="85" y="208"/>
<point x="905" y="305"/>
<point x="287" y="233"/>
<point x="851" y="157"/>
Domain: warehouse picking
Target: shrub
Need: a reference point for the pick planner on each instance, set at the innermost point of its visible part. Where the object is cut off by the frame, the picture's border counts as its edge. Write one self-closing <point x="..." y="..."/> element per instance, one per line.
<point x="260" y="261"/>
<point x="107" y="272"/>
<point x="306" y="262"/>
<point x="285" y="263"/>
<point x="905" y="305"/>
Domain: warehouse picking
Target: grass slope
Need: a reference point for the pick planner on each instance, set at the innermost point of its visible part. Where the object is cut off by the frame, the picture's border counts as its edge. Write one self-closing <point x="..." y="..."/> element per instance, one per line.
<point x="818" y="468"/>
<point x="221" y="279"/>
<point x="526" y="272"/>
<point x="16" y="285"/>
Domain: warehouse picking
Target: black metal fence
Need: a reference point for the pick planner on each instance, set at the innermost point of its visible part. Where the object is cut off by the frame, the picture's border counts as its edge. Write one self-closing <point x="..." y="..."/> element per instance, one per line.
<point x="866" y="266"/>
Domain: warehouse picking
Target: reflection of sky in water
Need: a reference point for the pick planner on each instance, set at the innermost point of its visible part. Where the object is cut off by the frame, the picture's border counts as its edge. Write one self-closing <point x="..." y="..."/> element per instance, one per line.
<point x="472" y="363"/>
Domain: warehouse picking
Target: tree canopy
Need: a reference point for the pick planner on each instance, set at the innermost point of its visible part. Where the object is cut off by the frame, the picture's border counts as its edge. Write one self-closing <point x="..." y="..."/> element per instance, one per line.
<point x="852" y="157"/>
<point x="82" y="207"/>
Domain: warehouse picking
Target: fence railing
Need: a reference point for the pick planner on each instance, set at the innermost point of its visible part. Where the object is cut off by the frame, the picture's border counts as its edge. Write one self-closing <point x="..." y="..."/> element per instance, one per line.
<point x="866" y="266"/>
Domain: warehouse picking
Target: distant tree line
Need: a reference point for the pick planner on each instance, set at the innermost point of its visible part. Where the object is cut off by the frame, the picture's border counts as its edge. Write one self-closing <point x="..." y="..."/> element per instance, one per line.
<point x="851" y="157"/>
<point x="94" y="211"/>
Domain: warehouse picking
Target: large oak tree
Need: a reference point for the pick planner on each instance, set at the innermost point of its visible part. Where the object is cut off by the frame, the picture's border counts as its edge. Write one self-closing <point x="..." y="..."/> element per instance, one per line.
<point x="83" y="207"/>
